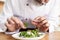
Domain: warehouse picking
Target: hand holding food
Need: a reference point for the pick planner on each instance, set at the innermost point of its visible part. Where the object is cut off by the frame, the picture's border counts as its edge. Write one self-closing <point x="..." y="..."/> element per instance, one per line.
<point x="41" y="23"/>
<point x="13" y="24"/>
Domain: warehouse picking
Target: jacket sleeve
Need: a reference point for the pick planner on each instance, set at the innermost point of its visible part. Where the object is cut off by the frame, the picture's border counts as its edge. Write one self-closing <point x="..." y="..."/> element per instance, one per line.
<point x="53" y="17"/>
<point x="53" y="21"/>
<point x="6" y="13"/>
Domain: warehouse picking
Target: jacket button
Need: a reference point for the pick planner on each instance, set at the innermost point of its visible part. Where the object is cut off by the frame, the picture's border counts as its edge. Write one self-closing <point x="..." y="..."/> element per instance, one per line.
<point x="27" y="4"/>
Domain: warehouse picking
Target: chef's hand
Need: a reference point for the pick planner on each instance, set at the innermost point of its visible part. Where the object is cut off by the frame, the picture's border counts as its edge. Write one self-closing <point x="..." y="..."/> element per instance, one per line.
<point x="41" y="23"/>
<point x="42" y="1"/>
<point x="13" y="24"/>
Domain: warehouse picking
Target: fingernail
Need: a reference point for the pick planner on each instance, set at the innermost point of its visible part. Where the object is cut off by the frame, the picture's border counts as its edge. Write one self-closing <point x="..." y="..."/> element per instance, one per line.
<point x="24" y="27"/>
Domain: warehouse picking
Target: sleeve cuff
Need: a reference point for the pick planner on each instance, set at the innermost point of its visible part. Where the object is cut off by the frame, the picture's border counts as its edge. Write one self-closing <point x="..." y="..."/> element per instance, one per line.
<point x="12" y="32"/>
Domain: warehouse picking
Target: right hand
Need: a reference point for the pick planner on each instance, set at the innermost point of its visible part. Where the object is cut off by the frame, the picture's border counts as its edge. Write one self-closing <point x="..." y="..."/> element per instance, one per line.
<point x="41" y="23"/>
<point x="13" y="24"/>
<point x="42" y="1"/>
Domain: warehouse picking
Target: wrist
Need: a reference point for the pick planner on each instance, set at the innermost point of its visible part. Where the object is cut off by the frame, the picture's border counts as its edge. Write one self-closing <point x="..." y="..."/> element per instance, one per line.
<point x="9" y="32"/>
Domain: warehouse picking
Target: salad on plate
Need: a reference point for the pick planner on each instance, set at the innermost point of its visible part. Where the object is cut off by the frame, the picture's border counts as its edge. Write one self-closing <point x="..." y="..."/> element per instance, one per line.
<point x="29" y="35"/>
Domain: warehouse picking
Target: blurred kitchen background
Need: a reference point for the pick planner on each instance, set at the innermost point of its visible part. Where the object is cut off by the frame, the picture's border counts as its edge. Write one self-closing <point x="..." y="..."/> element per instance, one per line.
<point x="1" y="8"/>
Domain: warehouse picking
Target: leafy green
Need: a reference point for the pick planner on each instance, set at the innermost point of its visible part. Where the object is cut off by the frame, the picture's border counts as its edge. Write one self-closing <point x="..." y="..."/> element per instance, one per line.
<point x="35" y="32"/>
<point x="26" y="24"/>
<point x="22" y="33"/>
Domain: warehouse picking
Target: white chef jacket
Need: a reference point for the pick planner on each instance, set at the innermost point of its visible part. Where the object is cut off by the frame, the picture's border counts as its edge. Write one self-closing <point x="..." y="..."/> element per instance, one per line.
<point x="30" y="9"/>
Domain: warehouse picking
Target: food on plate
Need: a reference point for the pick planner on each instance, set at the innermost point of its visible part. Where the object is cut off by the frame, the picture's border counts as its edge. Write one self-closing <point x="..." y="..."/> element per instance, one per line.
<point x="26" y="24"/>
<point x="30" y="34"/>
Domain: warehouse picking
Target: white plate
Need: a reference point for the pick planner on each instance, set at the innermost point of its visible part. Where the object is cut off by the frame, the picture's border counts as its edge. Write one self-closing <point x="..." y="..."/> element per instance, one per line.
<point x="16" y="36"/>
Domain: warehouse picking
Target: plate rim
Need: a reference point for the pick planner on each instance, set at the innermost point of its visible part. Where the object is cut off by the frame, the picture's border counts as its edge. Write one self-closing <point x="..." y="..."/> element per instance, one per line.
<point x="40" y="37"/>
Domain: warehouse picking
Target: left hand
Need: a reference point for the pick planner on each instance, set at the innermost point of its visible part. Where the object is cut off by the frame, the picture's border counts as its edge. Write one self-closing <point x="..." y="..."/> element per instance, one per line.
<point x="41" y="23"/>
<point x="14" y="23"/>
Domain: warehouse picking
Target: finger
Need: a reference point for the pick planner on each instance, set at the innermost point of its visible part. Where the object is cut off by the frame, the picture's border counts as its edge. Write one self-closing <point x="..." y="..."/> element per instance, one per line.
<point x="44" y="22"/>
<point x="34" y="23"/>
<point x="15" y="19"/>
<point x="46" y="25"/>
<point x="7" y="24"/>
<point x="39" y="19"/>
<point x="41" y="29"/>
<point x="10" y="21"/>
<point x="39" y="1"/>
<point x="42" y="18"/>
<point x="17" y="27"/>
<point x="43" y="1"/>
<point x="10" y="27"/>
<point x="18" y="22"/>
<point x="46" y="29"/>
<point x="46" y="1"/>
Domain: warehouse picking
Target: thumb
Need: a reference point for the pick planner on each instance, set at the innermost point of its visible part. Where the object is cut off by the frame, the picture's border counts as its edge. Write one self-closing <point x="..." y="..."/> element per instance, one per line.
<point x="22" y="25"/>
